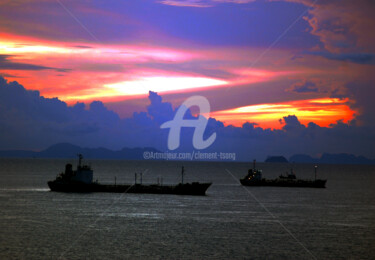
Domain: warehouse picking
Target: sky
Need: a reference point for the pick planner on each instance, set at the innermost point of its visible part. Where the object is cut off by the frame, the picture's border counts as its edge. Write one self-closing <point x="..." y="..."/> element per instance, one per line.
<point x="281" y="76"/>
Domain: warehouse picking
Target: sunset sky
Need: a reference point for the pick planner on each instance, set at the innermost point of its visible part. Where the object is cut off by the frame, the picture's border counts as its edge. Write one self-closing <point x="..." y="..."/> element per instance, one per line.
<point x="255" y="61"/>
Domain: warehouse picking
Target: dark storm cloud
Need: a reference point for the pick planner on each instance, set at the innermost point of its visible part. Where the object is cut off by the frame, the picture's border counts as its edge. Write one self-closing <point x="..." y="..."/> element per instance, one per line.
<point x="30" y="121"/>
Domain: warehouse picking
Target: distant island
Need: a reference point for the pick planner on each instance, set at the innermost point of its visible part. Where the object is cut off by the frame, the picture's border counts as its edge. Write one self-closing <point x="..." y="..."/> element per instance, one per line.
<point x="326" y="158"/>
<point x="278" y="159"/>
<point x="67" y="150"/>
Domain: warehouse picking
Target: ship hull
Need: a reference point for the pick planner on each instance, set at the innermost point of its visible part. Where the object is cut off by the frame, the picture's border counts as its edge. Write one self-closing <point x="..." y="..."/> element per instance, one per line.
<point x="180" y="189"/>
<point x="285" y="183"/>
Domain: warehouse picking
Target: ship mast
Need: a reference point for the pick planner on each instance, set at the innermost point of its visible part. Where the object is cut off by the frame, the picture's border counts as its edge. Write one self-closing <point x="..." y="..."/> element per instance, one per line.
<point x="80" y="157"/>
<point x="182" y="174"/>
<point x="254" y="161"/>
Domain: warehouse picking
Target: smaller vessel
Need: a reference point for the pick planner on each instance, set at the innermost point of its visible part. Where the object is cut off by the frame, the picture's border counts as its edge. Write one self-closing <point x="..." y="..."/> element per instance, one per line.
<point x="81" y="180"/>
<point x="254" y="178"/>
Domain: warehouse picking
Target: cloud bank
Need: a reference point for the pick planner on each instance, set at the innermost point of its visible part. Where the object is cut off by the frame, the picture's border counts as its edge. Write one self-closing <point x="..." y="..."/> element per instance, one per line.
<point x="30" y="121"/>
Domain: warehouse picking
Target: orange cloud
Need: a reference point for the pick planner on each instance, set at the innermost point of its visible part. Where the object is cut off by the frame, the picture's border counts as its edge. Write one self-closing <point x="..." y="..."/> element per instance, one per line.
<point x="79" y="71"/>
<point x="324" y="111"/>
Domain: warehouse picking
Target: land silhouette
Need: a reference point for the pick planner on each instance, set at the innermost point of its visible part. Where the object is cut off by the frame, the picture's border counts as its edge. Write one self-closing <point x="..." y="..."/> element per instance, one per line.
<point x="67" y="150"/>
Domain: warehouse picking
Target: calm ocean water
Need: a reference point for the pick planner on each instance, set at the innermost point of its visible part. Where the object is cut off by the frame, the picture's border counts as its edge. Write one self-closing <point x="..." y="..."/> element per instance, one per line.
<point x="231" y="222"/>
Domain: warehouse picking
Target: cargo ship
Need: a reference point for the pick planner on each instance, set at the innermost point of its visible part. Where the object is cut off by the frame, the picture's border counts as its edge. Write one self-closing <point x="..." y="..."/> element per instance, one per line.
<point x="81" y="180"/>
<point x="254" y="178"/>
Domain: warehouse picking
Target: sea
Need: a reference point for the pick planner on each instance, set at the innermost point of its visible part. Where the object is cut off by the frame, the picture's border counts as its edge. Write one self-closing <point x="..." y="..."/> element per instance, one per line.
<point x="230" y="222"/>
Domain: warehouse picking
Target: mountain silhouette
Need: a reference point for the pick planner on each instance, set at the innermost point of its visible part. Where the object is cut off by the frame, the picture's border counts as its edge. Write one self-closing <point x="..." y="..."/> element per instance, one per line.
<point x="67" y="150"/>
<point x="328" y="158"/>
<point x="278" y="159"/>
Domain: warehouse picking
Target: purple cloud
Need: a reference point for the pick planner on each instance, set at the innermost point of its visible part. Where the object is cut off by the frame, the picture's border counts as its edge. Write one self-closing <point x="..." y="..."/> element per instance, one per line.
<point x="30" y="121"/>
<point x="305" y="87"/>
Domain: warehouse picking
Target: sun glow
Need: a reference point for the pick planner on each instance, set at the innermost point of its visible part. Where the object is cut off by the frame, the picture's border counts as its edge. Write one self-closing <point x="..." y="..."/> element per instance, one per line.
<point x="138" y="53"/>
<point x="162" y="84"/>
<point x="323" y="112"/>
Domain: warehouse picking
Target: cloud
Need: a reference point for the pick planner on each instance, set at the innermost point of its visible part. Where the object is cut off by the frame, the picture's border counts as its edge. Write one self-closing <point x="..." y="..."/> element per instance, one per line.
<point x="363" y="93"/>
<point x="304" y="87"/>
<point x="228" y="22"/>
<point x="82" y="46"/>
<point x="201" y="3"/>
<point x="30" y="121"/>
<point x="186" y="3"/>
<point x="7" y="75"/>
<point x="360" y="58"/>
<point x="343" y="26"/>
<point x="6" y="64"/>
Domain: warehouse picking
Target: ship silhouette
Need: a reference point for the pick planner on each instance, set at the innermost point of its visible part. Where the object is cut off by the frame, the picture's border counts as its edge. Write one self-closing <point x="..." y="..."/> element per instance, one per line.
<point x="254" y="178"/>
<point x="81" y="180"/>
